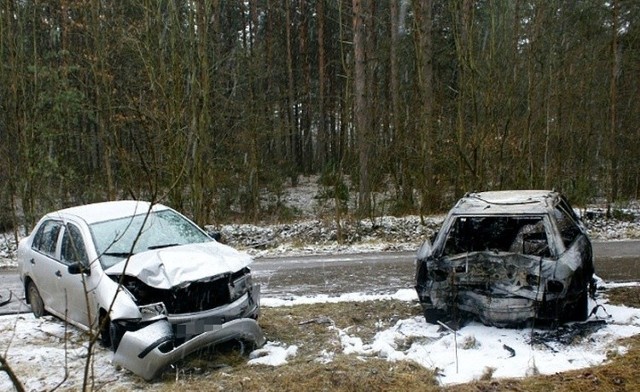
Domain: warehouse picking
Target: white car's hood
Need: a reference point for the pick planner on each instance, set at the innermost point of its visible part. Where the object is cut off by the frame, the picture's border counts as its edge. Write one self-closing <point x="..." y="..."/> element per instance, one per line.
<point x="179" y="265"/>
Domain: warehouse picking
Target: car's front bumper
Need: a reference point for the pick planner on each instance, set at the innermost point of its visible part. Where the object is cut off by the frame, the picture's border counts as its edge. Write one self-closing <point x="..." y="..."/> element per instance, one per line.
<point x="188" y="325"/>
<point x="149" y="350"/>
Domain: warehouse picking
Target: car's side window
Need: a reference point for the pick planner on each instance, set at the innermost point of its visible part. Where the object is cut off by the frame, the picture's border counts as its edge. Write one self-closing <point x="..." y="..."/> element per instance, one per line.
<point x="46" y="238"/>
<point x="73" y="249"/>
<point x="569" y="229"/>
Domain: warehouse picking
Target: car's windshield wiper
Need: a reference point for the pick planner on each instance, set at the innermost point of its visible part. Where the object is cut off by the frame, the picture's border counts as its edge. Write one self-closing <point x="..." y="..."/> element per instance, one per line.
<point x="161" y="246"/>
<point x="118" y="254"/>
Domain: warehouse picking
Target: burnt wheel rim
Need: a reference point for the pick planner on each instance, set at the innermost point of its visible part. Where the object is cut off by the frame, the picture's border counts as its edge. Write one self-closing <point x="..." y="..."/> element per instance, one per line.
<point x="37" y="305"/>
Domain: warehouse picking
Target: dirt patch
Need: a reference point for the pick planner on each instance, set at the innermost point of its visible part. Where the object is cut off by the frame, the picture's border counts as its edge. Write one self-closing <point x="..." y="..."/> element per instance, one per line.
<point x="628" y="296"/>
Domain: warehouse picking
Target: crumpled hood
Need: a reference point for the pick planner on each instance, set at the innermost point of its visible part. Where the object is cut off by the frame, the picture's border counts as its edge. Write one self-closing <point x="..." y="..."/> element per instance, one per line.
<point x="169" y="267"/>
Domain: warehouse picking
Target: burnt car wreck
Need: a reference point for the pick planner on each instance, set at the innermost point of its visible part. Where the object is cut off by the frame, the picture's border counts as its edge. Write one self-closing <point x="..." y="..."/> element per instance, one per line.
<point x="508" y="259"/>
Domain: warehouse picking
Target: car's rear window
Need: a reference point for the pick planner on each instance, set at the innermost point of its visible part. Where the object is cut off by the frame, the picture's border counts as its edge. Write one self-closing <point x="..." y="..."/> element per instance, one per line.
<point x="516" y="234"/>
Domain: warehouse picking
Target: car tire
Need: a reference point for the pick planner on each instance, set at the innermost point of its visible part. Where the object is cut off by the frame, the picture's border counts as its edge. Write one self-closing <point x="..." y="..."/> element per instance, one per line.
<point x="116" y="332"/>
<point x="432" y="316"/>
<point x="35" y="300"/>
<point x="110" y="333"/>
<point x="579" y="310"/>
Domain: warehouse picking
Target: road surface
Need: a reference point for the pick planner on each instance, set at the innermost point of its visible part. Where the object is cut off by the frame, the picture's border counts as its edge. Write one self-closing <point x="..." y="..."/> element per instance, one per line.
<point x="382" y="272"/>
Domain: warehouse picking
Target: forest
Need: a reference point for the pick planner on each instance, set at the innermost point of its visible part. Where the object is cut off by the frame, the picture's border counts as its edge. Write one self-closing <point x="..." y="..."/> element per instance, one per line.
<point x="207" y="104"/>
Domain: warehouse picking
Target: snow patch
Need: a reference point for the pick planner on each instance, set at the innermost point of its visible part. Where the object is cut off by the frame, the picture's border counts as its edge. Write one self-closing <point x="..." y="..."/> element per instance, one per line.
<point x="400" y="295"/>
<point x="272" y="354"/>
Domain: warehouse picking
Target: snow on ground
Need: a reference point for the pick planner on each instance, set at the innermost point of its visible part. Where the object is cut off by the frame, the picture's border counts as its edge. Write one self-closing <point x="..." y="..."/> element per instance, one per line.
<point x="474" y="351"/>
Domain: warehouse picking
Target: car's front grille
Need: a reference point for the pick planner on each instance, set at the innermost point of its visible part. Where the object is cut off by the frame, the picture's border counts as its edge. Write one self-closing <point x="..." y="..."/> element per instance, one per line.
<point x="193" y="297"/>
<point x="198" y="296"/>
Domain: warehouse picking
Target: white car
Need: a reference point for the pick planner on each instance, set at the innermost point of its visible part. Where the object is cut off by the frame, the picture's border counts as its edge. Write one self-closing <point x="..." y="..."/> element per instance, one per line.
<point x="141" y="274"/>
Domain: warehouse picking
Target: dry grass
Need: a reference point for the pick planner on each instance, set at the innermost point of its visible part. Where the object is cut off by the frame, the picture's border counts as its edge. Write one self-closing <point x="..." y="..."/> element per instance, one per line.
<point x="629" y="296"/>
<point x="344" y="373"/>
<point x="309" y="327"/>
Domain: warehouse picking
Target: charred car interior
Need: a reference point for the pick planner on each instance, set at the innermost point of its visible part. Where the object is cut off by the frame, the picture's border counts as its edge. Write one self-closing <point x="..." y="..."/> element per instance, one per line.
<point x="507" y="258"/>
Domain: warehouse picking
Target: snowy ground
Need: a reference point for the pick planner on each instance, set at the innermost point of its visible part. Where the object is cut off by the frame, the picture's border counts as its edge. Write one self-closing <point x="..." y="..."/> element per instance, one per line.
<point x="474" y="351"/>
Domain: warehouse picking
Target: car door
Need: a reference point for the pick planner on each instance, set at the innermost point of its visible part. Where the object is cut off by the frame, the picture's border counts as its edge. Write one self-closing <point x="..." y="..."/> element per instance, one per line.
<point x="44" y="266"/>
<point x="76" y="284"/>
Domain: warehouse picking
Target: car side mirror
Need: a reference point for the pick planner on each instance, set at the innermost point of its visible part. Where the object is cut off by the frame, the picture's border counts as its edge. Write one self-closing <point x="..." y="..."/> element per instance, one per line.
<point x="78" y="268"/>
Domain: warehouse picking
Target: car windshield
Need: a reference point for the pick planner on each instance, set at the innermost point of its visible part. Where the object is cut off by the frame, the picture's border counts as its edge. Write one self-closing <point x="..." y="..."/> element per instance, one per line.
<point x="115" y="239"/>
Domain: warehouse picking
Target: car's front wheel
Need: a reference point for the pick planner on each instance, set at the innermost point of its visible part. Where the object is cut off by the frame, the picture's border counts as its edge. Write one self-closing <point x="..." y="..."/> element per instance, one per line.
<point x="433" y="315"/>
<point x="578" y="311"/>
<point x="110" y="333"/>
<point x="35" y="300"/>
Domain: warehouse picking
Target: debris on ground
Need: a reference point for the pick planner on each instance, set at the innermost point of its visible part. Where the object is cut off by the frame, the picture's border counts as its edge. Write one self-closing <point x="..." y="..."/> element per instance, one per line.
<point x="567" y="334"/>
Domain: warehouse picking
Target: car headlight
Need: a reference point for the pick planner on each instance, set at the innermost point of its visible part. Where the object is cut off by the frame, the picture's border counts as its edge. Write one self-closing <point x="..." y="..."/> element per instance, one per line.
<point x="152" y="311"/>
<point x="240" y="286"/>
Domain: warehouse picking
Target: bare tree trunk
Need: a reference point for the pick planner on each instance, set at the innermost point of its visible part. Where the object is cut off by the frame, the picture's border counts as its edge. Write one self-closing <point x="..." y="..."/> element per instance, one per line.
<point x="321" y="155"/>
<point x="360" y="108"/>
<point x="400" y="145"/>
<point x="291" y="113"/>
<point x="305" y="94"/>
<point x="613" y="95"/>
<point x="102" y="99"/>
<point x="424" y="56"/>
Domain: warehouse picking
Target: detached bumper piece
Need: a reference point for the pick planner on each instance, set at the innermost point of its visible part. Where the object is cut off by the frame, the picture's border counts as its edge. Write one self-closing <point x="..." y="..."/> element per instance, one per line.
<point x="148" y="351"/>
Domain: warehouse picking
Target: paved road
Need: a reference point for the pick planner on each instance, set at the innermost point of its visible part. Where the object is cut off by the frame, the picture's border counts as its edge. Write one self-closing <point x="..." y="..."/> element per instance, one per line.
<point x="383" y="272"/>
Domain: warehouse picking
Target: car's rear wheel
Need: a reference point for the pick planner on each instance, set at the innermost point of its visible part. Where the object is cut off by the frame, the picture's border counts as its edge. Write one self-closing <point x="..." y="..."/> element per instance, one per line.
<point x="35" y="300"/>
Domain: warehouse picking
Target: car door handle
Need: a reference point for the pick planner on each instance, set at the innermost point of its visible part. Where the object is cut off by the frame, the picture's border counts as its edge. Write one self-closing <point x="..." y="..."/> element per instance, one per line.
<point x="59" y="274"/>
<point x="32" y="261"/>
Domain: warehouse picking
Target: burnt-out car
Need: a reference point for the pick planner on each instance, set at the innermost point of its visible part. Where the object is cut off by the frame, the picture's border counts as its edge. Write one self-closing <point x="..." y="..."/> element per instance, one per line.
<point x="507" y="258"/>
<point x="147" y="280"/>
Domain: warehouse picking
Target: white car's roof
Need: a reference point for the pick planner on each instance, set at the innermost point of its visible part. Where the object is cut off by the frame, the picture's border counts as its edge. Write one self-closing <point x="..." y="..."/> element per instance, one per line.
<point x="99" y="212"/>
<point x="502" y="202"/>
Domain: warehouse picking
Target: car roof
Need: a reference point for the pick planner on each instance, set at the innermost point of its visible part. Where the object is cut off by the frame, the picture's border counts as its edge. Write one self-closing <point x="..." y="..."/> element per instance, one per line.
<point x="507" y="202"/>
<point x="100" y="212"/>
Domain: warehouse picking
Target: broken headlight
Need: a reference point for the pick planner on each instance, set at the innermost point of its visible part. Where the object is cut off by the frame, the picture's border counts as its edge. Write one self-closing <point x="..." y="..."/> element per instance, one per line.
<point x="238" y="287"/>
<point x="152" y="311"/>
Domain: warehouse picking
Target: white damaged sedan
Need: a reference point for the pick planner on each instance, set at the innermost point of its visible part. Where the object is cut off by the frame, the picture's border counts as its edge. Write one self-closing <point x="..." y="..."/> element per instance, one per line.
<point x="150" y="282"/>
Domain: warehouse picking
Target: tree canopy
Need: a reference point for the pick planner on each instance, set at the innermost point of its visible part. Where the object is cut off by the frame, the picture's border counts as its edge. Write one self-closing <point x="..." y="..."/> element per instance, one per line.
<point x="204" y="103"/>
